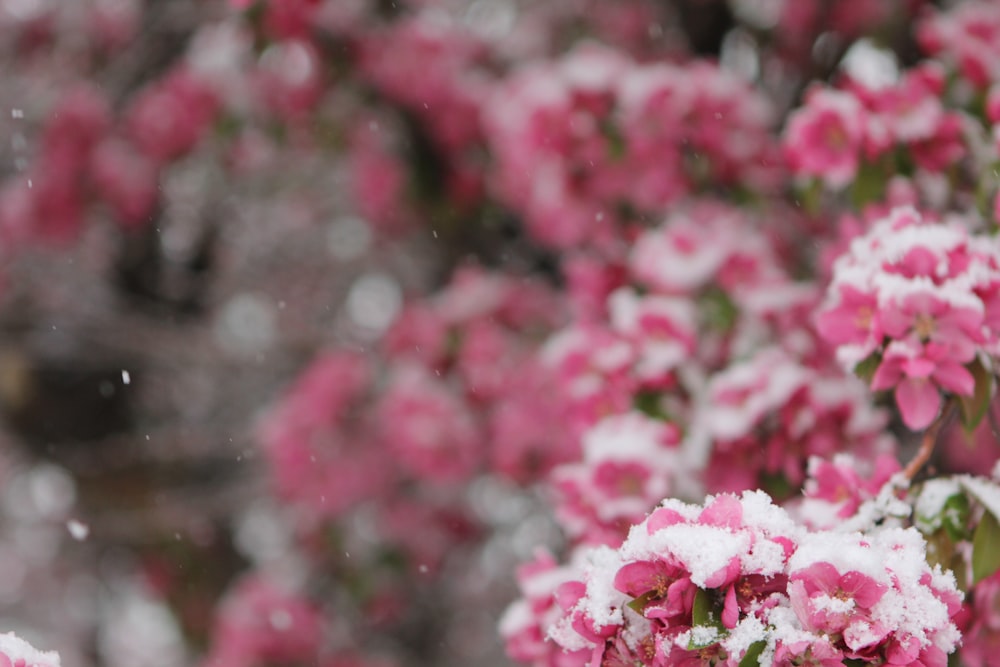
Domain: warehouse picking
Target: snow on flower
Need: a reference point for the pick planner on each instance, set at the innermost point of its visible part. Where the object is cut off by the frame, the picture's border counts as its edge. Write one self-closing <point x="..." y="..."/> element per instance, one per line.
<point x="917" y="296"/>
<point x="824" y="138"/>
<point x="15" y="652"/>
<point x="737" y="574"/>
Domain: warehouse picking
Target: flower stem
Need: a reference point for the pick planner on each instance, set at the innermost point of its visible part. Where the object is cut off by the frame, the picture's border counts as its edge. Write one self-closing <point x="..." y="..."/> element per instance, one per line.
<point x="928" y="441"/>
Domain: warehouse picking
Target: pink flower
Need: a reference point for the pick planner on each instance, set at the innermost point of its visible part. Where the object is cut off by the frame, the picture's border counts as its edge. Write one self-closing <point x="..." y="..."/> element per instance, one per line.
<point x="823" y="138"/>
<point x="917" y="372"/>
<point x="836" y="488"/>
<point x="259" y="623"/>
<point x="815" y="652"/>
<point x="127" y="180"/>
<point x="853" y="321"/>
<point x="828" y="601"/>
<point x="926" y="317"/>
<point x="429" y="427"/>
<point x="168" y="118"/>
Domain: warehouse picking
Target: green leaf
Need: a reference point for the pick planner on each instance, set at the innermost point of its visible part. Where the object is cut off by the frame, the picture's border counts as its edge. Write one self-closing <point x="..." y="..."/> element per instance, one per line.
<point x="866" y="368"/>
<point x="955" y="517"/>
<point x="718" y="309"/>
<point x="616" y="142"/>
<point x="986" y="548"/>
<point x="638" y="605"/>
<point x="752" y="656"/>
<point x="704" y="614"/>
<point x="868" y="186"/>
<point x="940" y="548"/>
<point x="811" y="197"/>
<point x="777" y="486"/>
<point x="974" y="407"/>
<point x="701" y="611"/>
<point x="650" y="404"/>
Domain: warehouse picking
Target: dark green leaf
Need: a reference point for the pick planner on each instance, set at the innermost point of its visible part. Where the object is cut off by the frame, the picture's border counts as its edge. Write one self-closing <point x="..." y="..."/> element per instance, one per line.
<point x="719" y="310"/>
<point x="866" y="367"/>
<point x="868" y="185"/>
<point x="974" y="407"/>
<point x="705" y="614"/>
<point x="650" y="403"/>
<point x="777" y="486"/>
<point x="752" y="657"/>
<point x="811" y="197"/>
<point x="701" y="611"/>
<point x="986" y="548"/>
<point x="940" y="548"/>
<point x="638" y="605"/>
<point x="955" y="517"/>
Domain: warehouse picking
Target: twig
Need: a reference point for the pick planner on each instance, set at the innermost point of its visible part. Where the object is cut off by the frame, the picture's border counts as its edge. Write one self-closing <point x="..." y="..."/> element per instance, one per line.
<point x="927" y="442"/>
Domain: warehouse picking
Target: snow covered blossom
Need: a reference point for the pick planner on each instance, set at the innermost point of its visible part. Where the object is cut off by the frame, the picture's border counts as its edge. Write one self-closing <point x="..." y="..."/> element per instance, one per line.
<point x="736" y="581"/>
<point x="967" y="37"/>
<point x="824" y="137"/>
<point x="591" y="142"/>
<point x="917" y="299"/>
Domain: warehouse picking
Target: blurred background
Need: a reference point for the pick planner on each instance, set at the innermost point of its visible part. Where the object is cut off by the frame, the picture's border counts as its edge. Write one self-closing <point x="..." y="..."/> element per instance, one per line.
<point x="199" y="198"/>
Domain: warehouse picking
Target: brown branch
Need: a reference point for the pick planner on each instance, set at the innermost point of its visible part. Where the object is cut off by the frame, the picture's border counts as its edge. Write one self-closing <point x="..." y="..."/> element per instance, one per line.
<point x="928" y="441"/>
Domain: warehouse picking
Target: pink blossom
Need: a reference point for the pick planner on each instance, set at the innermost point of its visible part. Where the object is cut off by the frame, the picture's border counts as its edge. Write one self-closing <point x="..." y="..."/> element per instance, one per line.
<point x="815" y="651"/>
<point x="930" y="283"/>
<point x="526" y="622"/>
<point x="126" y="180"/>
<point x="167" y="119"/>
<point x="828" y="601"/>
<point x="930" y="319"/>
<point x="965" y="37"/>
<point x="836" y="488"/>
<point x="917" y="372"/>
<point x="823" y="138"/>
<point x="429" y="427"/>
<point x="320" y="451"/>
<point x="260" y="623"/>
<point x="289" y="79"/>
<point x="853" y="320"/>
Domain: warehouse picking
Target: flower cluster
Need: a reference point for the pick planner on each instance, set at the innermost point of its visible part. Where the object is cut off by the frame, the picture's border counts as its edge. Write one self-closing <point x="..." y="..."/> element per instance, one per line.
<point x="674" y="388"/>
<point x="837" y="487"/>
<point x="84" y="161"/>
<point x="525" y="624"/>
<point x="462" y="394"/>
<point x="967" y="39"/>
<point x="593" y="141"/>
<point x="737" y="581"/>
<point x="770" y="415"/>
<point x="916" y="301"/>
<point x="837" y="129"/>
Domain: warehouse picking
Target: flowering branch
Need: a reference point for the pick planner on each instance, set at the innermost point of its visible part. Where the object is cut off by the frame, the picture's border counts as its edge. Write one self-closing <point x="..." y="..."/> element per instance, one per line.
<point x="928" y="441"/>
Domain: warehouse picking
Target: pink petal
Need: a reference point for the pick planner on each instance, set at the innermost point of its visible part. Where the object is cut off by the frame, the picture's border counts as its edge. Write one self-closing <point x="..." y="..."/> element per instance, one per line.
<point x="919" y="402"/>
<point x="569" y="593"/>
<point x="887" y="374"/>
<point x="640" y="577"/>
<point x="918" y="367"/>
<point x="865" y="590"/>
<point x="731" y="610"/>
<point x="821" y="576"/>
<point x="725" y="511"/>
<point x="955" y="378"/>
<point x="662" y="518"/>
